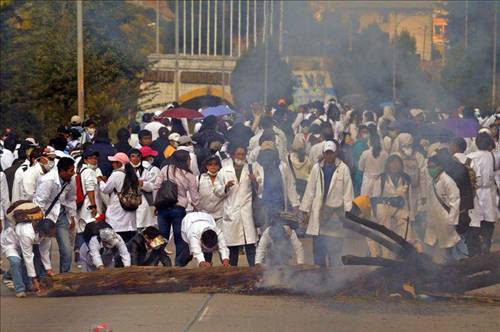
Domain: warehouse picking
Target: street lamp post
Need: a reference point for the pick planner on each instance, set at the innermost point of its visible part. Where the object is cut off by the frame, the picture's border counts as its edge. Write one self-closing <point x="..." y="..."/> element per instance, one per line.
<point x="80" y="88"/>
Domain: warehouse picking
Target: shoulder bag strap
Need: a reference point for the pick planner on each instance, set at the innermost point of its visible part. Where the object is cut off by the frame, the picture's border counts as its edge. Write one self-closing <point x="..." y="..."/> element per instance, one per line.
<point x="494" y="161"/>
<point x="291" y="167"/>
<point x="51" y="206"/>
<point x="440" y="200"/>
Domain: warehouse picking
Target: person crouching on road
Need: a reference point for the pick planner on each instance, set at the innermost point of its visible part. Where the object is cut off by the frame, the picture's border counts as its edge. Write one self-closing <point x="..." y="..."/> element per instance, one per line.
<point x="204" y="237"/>
<point x="100" y="251"/>
<point x="277" y="244"/>
<point x="25" y="244"/>
<point x="148" y="248"/>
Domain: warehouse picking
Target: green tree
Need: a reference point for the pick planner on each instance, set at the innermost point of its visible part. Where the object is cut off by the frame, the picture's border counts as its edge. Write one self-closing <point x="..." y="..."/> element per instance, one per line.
<point x="247" y="79"/>
<point x="38" y="78"/>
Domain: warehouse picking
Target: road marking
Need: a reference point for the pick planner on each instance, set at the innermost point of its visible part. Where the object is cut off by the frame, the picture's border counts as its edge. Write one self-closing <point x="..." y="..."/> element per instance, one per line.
<point x="203" y="314"/>
<point x="199" y="313"/>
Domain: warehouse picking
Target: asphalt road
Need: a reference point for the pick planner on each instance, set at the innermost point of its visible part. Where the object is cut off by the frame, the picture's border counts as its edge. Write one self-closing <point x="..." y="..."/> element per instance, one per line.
<point x="222" y="312"/>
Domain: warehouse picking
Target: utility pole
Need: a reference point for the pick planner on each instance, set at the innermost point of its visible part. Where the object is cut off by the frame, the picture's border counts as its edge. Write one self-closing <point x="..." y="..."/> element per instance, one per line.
<point x="157" y="26"/>
<point x="282" y="21"/>
<point x="494" y="82"/>
<point x="423" y="46"/>
<point x="394" y="42"/>
<point x="266" y="46"/>
<point x="81" y="92"/>
<point x="466" y="33"/>
<point x="177" y="75"/>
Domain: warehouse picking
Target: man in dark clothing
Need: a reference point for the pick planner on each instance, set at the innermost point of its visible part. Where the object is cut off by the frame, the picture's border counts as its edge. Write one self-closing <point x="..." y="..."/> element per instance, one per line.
<point x="148" y="248"/>
<point x="207" y="132"/>
<point x="459" y="173"/>
<point x="239" y="134"/>
<point x="123" y="136"/>
<point x="159" y="145"/>
<point x="103" y="146"/>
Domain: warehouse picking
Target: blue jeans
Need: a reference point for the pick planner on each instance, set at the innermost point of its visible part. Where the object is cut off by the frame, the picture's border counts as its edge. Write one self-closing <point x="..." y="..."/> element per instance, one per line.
<point x="63" y="241"/>
<point x="172" y="217"/>
<point x="19" y="274"/>
<point x="327" y="250"/>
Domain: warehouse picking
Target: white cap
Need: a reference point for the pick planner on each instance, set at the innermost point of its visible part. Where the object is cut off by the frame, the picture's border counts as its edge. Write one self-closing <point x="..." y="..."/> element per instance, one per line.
<point x="157" y="113"/>
<point x="416" y="112"/>
<point x="75" y="119"/>
<point x="330" y="146"/>
<point x="174" y="137"/>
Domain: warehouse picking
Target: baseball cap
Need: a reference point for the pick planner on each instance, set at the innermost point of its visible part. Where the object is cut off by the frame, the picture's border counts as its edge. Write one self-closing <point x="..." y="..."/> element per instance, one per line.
<point x="174" y="137"/>
<point x="185" y="139"/>
<point x="75" y="119"/>
<point x="90" y="152"/>
<point x="119" y="157"/>
<point x="146" y="151"/>
<point x="330" y="146"/>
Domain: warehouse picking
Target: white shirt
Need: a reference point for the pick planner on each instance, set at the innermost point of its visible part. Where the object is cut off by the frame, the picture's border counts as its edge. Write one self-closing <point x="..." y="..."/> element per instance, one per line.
<point x="91" y="258"/>
<point x="47" y="190"/>
<point x="154" y="127"/>
<point x="193" y="226"/>
<point x="116" y="216"/>
<point x="25" y="237"/>
<point x="266" y="242"/>
<point x="6" y="158"/>
<point x="487" y="188"/>
<point x="211" y="201"/>
<point x="17" y="185"/>
<point x="29" y="181"/>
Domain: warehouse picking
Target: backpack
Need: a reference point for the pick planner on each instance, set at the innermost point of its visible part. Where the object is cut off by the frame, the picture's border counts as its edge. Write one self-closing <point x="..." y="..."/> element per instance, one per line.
<point x="167" y="194"/>
<point x="92" y="229"/>
<point x="10" y="173"/>
<point x="472" y="175"/>
<point x="80" y="196"/>
<point x="130" y="198"/>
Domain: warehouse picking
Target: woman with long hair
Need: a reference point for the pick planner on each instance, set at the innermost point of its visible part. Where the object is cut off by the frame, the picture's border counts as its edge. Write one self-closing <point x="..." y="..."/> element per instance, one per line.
<point x="122" y="178"/>
<point x="372" y="162"/>
<point x="177" y="171"/>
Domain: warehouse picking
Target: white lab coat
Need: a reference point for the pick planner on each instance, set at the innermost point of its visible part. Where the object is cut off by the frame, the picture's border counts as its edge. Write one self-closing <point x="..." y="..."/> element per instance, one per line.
<point x="17" y="185"/>
<point x="91" y="259"/>
<point x="116" y="216"/>
<point x="290" y="195"/>
<point x="6" y="158"/>
<point x="4" y="197"/>
<point x="372" y="168"/>
<point x="89" y="183"/>
<point x="211" y="199"/>
<point x="487" y="191"/>
<point x="144" y="214"/>
<point x="29" y="181"/>
<point x="237" y="223"/>
<point x="19" y="242"/>
<point x="316" y="152"/>
<point x="441" y="224"/>
<point x="340" y="194"/>
<point x="48" y="187"/>
<point x="266" y="242"/>
<point x="193" y="226"/>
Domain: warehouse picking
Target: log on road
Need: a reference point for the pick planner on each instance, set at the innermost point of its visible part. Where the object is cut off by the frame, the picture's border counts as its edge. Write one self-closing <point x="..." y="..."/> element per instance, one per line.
<point x="145" y="279"/>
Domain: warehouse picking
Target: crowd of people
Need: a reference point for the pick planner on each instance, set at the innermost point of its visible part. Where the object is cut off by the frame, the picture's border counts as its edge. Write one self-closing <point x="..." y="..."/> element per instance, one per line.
<point x="255" y="182"/>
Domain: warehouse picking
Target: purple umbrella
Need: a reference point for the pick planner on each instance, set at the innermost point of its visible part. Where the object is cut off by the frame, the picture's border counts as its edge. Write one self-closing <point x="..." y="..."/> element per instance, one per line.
<point x="461" y="127"/>
<point x="220" y="110"/>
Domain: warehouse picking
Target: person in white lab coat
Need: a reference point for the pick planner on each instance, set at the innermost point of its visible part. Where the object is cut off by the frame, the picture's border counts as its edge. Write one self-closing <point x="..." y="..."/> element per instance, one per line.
<point x="372" y="163"/>
<point x="19" y="243"/>
<point x="211" y="200"/>
<point x="277" y="244"/>
<point x="144" y="214"/>
<point x="444" y="210"/>
<point x="56" y="196"/>
<point x="203" y="236"/>
<point x="17" y="183"/>
<point x="42" y="165"/>
<point x="101" y="251"/>
<point x="91" y="205"/>
<point x="279" y="191"/>
<point x="485" y="160"/>
<point x="266" y="123"/>
<point x="123" y="222"/>
<point x="238" y="223"/>
<point x="328" y="195"/>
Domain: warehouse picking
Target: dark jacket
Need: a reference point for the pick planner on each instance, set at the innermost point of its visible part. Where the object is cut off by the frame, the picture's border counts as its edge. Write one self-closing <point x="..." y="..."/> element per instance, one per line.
<point x="240" y="134"/>
<point x="123" y="147"/>
<point x="139" y="253"/>
<point x="105" y="149"/>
